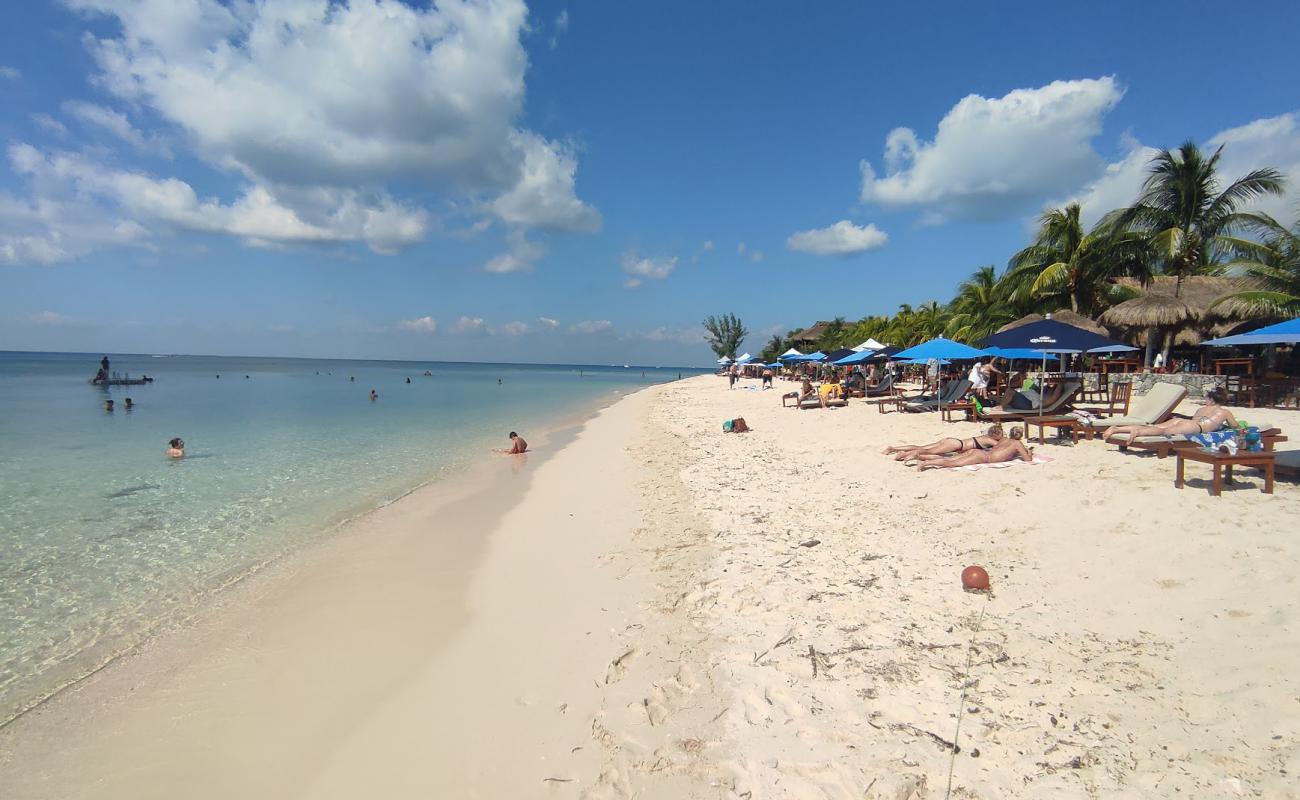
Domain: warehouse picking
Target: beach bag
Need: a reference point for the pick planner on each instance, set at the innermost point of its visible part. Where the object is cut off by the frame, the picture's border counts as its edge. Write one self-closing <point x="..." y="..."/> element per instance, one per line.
<point x="736" y="425"/>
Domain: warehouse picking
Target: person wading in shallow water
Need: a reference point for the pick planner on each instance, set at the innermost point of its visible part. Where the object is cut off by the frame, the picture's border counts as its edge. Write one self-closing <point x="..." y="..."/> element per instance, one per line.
<point x="517" y="446"/>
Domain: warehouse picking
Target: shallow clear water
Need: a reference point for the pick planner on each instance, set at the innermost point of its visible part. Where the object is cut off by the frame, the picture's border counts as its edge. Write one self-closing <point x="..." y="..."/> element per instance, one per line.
<point x="102" y="536"/>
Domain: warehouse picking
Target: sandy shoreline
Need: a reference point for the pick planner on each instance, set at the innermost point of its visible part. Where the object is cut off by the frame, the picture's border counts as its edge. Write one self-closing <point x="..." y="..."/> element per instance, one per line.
<point x="649" y="619"/>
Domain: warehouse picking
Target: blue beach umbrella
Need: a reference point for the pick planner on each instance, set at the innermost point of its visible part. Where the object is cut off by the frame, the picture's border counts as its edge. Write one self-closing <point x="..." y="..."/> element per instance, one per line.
<point x="1282" y="333"/>
<point x="939" y="349"/>
<point x="1052" y="336"/>
<point x="1022" y="353"/>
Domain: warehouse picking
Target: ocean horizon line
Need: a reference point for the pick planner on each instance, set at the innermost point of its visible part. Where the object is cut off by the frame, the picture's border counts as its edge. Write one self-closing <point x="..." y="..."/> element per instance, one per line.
<point x="100" y="353"/>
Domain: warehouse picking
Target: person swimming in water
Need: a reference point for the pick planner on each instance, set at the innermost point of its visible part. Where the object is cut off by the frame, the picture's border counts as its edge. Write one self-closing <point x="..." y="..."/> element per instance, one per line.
<point x="130" y="404"/>
<point x="176" y="448"/>
<point x="108" y="405"/>
<point x="518" y="445"/>
<point x="373" y="395"/>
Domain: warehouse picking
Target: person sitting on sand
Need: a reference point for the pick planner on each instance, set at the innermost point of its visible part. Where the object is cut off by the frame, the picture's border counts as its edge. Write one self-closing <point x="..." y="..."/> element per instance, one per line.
<point x="947" y="446"/>
<point x="176" y="448"/>
<point x="518" y="446"/>
<point x="1006" y="450"/>
<point x="1210" y="417"/>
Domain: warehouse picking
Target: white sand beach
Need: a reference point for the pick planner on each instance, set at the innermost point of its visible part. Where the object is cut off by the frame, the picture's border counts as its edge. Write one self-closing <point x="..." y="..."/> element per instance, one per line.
<point x="660" y="610"/>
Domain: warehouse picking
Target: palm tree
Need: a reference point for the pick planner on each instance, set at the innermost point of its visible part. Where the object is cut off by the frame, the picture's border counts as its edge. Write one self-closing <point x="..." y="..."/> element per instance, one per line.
<point x="775" y="347"/>
<point x="833" y="336"/>
<point x="1065" y="263"/>
<point x="1185" y="216"/>
<point x="1275" y="264"/>
<point x="980" y="307"/>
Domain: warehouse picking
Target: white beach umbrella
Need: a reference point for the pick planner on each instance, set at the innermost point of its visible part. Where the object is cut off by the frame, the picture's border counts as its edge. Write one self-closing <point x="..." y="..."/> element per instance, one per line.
<point x="870" y="344"/>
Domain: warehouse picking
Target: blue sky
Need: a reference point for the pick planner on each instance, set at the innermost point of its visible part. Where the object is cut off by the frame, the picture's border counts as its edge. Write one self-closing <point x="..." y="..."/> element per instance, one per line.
<point x="576" y="182"/>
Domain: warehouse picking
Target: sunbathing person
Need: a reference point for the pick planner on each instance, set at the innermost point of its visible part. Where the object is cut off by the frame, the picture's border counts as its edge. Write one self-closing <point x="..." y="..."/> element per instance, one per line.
<point x="1210" y="417"/>
<point x="1006" y="450"/>
<point x="947" y="445"/>
<point x="1025" y="401"/>
<point x="806" y="392"/>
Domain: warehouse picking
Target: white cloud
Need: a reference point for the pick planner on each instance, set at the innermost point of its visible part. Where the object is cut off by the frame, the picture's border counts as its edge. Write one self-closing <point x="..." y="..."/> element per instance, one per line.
<point x="841" y="239"/>
<point x="48" y="123"/>
<point x="678" y="335"/>
<point x="707" y="246"/>
<point x="755" y="256"/>
<point x="319" y="107"/>
<point x="1270" y="142"/>
<point x="544" y="195"/>
<point x="740" y="249"/>
<point x="561" y="26"/>
<point x="115" y="123"/>
<point x="419" y="325"/>
<point x="520" y="256"/>
<point x="592" y="326"/>
<point x="548" y="323"/>
<point x="515" y="328"/>
<point x="993" y="157"/>
<point x="10" y="73"/>
<point x="642" y="269"/>
<point x="470" y="325"/>
<point x="134" y="204"/>
<point x="49" y="318"/>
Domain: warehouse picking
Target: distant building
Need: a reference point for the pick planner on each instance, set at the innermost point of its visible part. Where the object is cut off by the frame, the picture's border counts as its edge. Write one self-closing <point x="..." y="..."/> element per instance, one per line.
<point x="806" y="339"/>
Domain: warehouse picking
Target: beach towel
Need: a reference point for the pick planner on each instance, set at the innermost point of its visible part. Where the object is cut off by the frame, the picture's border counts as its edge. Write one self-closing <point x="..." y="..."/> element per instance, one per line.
<point x="1228" y="436"/>
<point x="1004" y="464"/>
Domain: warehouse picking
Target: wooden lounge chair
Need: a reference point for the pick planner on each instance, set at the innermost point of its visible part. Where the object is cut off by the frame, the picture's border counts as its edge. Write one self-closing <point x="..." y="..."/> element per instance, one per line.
<point x="882" y="388"/>
<point x="1153" y="407"/>
<point x="1162" y="446"/>
<point x="813" y="402"/>
<point x="1056" y="406"/>
<point x="951" y="393"/>
<point x="1287" y="462"/>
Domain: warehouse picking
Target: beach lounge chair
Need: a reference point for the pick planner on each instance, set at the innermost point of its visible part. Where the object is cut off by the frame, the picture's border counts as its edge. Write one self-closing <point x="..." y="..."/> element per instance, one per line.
<point x="1287" y="462"/>
<point x="1151" y="408"/>
<point x="1062" y="401"/>
<point x="813" y="402"/>
<point x="1162" y="446"/>
<point x="883" y="388"/>
<point x="951" y="393"/>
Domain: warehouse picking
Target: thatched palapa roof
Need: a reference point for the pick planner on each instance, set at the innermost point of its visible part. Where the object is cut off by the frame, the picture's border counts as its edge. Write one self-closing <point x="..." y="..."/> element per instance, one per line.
<point x="1200" y="293"/>
<point x="1151" y="310"/>
<point x="811" y="334"/>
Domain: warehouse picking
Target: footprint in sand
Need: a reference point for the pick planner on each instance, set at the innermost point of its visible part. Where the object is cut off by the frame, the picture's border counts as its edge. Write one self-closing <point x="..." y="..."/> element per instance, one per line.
<point x="619" y="666"/>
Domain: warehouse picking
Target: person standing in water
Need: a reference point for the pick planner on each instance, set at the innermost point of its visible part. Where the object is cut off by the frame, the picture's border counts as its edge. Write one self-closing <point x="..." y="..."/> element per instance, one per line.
<point x="108" y="406"/>
<point x="176" y="448"/>
<point x="517" y="447"/>
<point x="373" y="395"/>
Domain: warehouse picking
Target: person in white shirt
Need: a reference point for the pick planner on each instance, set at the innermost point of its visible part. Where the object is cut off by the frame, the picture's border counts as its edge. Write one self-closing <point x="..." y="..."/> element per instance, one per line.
<point x="979" y="378"/>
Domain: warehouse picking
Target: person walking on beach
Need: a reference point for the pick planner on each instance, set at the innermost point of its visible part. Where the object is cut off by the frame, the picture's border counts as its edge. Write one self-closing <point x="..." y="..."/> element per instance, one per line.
<point x="517" y="447"/>
<point x="176" y="448"/>
<point x="733" y="375"/>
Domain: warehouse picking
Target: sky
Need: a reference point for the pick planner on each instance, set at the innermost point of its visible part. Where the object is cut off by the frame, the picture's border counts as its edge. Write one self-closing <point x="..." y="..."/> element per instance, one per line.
<point x="578" y="183"/>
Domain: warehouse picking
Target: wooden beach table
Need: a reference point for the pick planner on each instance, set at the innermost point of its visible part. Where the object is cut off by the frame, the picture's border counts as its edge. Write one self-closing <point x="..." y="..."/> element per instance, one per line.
<point x="1223" y="464"/>
<point x="1063" y="425"/>
<point x="963" y="407"/>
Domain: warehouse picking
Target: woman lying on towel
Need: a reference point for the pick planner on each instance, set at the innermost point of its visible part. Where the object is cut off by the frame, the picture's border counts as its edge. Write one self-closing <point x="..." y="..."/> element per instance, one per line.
<point x="1210" y="417"/>
<point x="1005" y="450"/>
<point x="947" y="445"/>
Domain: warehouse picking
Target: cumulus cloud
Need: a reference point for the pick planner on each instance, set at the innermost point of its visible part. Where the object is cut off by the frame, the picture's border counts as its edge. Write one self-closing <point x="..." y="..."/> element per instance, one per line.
<point x="841" y="239"/>
<point x="995" y="156"/>
<point x="548" y="323"/>
<point x="419" y="325"/>
<point x="1269" y="142"/>
<point x="519" y="257"/>
<point x="115" y="123"/>
<point x="126" y="199"/>
<point x="590" y="326"/>
<point x="544" y="195"/>
<point x="48" y="123"/>
<point x="755" y="256"/>
<point x="470" y="325"/>
<point x="10" y="73"/>
<point x="641" y="269"/>
<point x="515" y="328"/>
<point x="707" y="246"/>
<point x="319" y="108"/>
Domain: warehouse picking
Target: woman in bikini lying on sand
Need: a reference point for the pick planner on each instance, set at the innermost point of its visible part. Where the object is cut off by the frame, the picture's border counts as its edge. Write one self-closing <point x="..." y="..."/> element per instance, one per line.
<point x="1005" y="450"/>
<point x="946" y="446"/>
<point x="1209" y="417"/>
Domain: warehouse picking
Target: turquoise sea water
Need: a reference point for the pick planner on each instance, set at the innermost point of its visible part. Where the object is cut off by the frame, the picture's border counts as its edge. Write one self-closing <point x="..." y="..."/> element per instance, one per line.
<point x="102" y="536"/>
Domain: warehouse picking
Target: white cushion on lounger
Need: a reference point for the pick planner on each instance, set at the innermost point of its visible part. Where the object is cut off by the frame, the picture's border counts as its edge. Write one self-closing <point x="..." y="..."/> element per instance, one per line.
<point x="1147" y="409"/>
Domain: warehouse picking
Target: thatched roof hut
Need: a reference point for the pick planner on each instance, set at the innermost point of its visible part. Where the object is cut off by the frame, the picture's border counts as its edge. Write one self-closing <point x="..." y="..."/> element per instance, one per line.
<point x="1151" y="310"/>
<point x="1200" y="293"/>
<point x="1061" y="315"/>
<point x="809" y="336"/>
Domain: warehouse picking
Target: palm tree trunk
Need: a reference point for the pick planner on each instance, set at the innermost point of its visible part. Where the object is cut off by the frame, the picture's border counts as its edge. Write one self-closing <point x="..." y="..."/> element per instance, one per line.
<point x="1152" y="333"/>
